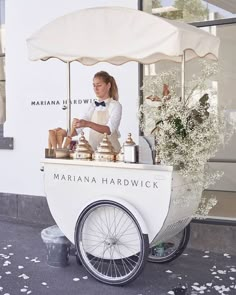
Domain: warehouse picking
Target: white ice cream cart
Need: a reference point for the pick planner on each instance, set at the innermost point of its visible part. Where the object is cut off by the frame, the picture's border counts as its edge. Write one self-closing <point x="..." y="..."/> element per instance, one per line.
<point x="114" y="212"/>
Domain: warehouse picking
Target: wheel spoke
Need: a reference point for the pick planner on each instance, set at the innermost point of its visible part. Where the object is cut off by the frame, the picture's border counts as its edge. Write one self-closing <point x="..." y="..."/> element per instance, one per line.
<point x="128" y="259"/>
<point x="100" y="230"/>
<point x="92" y="248"/>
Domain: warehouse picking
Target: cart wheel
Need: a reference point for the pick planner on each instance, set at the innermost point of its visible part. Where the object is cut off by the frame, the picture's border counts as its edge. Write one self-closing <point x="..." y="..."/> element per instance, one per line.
<point x="110" y="243"/>
<point x="169" y="250"/>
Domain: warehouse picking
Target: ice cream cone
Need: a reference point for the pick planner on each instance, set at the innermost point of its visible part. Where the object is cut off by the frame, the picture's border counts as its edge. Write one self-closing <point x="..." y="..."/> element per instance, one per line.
<point x="67" y="142"/>
<point x="49" y="142"/>
<point x="59" y="141"/>
<point x="73" y="132"/>
<point x="52" y="140"/>
<point x="60" y="134"/>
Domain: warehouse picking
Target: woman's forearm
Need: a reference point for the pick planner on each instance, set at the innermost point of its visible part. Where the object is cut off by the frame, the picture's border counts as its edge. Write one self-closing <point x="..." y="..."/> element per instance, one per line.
<point x="99" y="128"/>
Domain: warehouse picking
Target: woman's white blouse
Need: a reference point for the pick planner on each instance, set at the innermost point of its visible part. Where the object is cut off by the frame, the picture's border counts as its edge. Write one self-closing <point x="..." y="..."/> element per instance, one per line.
<point x="114" y="109"/>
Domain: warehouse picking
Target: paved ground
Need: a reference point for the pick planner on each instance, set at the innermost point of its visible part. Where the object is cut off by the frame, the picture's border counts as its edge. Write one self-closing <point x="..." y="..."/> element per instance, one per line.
<point x="24" y="270"/>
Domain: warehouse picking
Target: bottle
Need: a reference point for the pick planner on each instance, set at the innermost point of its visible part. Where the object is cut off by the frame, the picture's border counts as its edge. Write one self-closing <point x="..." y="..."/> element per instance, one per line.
<point x="130" y="150"/>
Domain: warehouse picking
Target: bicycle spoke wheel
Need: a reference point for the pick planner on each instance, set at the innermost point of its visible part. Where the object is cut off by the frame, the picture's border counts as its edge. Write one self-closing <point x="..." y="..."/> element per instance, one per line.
<point x="110" y="243"/>
<point x="167" y="251"/>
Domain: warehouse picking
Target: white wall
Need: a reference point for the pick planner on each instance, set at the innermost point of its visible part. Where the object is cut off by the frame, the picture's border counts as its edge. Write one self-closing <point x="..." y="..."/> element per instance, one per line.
<point x="46" y="81"/>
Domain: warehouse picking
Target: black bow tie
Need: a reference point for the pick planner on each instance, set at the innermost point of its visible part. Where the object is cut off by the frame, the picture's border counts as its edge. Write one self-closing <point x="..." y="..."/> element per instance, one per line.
<point x="102" y="103"/>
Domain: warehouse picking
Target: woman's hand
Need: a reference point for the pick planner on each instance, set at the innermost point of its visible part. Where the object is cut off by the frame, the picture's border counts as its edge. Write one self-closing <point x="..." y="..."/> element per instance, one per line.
<point x="76" y="123"/>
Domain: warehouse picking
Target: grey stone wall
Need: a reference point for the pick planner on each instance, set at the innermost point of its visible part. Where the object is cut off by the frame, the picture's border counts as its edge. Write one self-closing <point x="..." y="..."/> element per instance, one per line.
<point x="215" y="237"/>
<point x="6" y="143"/>
<point x="30" y="209"/>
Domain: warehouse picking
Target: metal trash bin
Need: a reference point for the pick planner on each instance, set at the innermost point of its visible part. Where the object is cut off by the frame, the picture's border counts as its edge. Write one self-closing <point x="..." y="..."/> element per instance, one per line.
<point x="57" y="245"/>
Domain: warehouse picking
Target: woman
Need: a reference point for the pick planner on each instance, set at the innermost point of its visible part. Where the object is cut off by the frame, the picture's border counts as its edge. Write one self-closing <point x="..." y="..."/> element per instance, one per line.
<point x="104" y="115"/>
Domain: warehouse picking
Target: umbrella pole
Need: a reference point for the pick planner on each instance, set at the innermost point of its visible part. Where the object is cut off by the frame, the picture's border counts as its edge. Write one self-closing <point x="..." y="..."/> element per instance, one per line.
<point x="68" y="117"/>
<point x="183" y="77"/>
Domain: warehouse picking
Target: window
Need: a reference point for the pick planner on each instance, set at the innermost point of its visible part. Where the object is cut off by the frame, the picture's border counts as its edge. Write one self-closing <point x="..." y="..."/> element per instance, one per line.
<point x="194" y="10"/>
<point x="219" y="18"/>
<point x="5" y="142"/>
<point x="2" y="63"/>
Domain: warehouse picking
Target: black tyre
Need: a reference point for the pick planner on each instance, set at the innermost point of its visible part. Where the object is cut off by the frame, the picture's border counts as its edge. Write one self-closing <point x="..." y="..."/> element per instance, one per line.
<point x="167" y="251"/>
<point x="110" y="243"/>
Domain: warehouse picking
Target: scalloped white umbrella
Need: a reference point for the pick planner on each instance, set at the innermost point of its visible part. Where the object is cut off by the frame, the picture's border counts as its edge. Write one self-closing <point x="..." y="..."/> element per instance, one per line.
<point x="117" y="35"/>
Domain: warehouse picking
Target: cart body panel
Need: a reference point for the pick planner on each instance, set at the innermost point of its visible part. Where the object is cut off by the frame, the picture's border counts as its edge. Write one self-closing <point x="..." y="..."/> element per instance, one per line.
<point x="147" y="191"/>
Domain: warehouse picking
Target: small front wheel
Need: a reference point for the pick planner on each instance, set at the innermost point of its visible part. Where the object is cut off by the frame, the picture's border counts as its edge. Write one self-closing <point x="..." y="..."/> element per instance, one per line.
<point x="110" y="243"/>
<point x="167" y="251"/>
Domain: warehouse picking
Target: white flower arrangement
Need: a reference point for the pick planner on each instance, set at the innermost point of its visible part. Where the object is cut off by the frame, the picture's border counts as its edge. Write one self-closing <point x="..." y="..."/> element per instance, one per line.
<point x="188" y="132"/>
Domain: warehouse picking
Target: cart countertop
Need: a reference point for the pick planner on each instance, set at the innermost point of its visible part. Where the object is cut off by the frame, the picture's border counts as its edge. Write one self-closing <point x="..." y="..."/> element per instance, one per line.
<point x="107" y="164"/>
